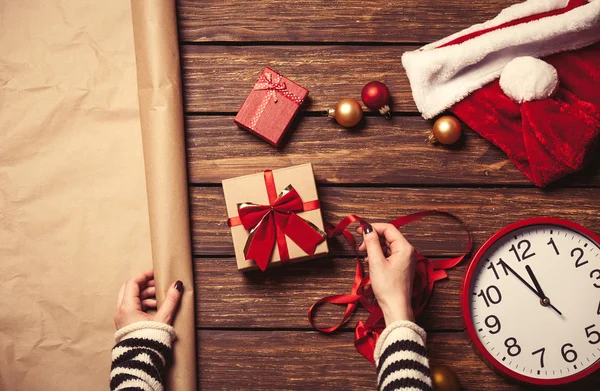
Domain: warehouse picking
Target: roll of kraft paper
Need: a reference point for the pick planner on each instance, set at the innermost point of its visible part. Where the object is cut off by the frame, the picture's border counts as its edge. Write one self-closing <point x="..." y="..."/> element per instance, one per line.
<point x="161" y="114"/>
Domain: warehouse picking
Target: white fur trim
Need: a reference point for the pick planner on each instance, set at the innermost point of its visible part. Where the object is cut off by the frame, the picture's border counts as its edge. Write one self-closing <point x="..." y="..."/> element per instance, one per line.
<point x="527" y="78"/>
<point x="439" y="78"/>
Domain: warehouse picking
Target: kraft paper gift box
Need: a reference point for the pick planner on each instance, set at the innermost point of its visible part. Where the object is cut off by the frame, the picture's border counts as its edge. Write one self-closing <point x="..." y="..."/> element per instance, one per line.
<point x="275" y="213"/>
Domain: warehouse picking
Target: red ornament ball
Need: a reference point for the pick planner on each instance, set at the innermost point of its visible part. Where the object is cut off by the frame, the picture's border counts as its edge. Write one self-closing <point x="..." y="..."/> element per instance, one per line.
<point x="376" y="96"/>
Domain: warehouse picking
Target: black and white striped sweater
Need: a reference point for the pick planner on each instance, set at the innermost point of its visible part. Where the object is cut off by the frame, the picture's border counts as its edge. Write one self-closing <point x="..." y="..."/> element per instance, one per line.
<point x="144" y="348"/>
<point x="140" y="356"/>
<point x="401" y="358"/>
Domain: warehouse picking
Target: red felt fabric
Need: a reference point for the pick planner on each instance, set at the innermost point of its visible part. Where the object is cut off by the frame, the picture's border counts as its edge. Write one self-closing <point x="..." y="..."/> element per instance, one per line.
<point x="545" y="139"/>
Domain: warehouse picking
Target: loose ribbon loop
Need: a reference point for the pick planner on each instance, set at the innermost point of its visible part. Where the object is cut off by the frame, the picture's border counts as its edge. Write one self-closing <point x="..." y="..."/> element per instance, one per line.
<point x="427" y="272"/>
<point x="270" y="224"/>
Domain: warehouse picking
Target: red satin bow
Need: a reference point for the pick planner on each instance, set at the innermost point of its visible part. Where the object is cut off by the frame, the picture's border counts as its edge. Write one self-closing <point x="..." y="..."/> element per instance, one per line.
<point x="270" y="224"/>
<point x="427" y="272"/>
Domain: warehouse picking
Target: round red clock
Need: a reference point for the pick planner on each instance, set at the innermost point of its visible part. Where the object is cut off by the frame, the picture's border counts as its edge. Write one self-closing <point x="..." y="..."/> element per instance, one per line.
<point x="531" y="301"/>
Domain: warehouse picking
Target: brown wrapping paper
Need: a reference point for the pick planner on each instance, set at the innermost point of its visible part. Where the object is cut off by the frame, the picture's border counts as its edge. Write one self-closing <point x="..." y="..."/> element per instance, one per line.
<point x="251" y="188"/>
<point x="161" y="114"/>
<point x="73" y="212"/>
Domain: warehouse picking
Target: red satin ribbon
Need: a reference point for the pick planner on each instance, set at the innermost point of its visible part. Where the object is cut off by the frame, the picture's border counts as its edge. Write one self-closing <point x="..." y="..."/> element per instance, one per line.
<point x="427" y="272"/>
<point x="270" y="224"/>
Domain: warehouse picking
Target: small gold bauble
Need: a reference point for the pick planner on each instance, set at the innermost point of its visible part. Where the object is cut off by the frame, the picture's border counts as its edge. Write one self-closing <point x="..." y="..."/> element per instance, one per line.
<point x="446" y="130"/>
<point x="443" y="378"/>
<point x="347" y="112"/>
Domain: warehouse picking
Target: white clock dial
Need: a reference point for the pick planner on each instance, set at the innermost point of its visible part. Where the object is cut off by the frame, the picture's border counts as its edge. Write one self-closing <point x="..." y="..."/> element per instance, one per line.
<point x="550" y="334"/>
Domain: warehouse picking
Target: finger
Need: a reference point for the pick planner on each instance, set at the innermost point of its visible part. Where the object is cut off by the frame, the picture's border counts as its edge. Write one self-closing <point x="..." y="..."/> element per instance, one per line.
<point x="134" y="286"/>
<point x="120" y="296"/>
<point x="384" y="244"/>
<point x="131" y="294"/>
<point x="145" y="277"/>
<point x="148" y="293"/>
<point x="169" y="305"/>
<point x="374" y="251"/>
<point x="148" y="304"/>
<point x="151" y="282"/>
<point x="396" y="241"/>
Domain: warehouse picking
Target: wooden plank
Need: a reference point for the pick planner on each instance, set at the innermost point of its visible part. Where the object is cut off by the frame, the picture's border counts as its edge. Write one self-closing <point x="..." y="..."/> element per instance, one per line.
<point x="397" y="153"/>
<point x="295" y="360"/>
<point x="329" y="21"/>
<point x="280" y="297"/>
<point x="485" y="210"/>
<point x="218" y="78"/>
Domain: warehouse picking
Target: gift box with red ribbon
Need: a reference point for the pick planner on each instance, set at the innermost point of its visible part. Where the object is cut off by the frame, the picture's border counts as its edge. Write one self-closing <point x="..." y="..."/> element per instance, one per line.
<point x="275" y="217"/>
<point x="271" y="106"/>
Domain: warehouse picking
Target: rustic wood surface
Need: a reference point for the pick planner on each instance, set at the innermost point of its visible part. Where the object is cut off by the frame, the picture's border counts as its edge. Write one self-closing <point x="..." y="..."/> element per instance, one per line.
<point x="307" y="360"/>
<point x="485" y="210"/>
<point x="329" y="21"/>
<point x="397" y="154"/>
<point x="253" y="331"/>
<point x="263" y="300"/>
<point x="218" y="78"/>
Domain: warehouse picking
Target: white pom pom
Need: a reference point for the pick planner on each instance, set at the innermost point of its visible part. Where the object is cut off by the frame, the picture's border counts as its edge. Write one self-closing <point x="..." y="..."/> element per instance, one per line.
<point x="527" y="78"/>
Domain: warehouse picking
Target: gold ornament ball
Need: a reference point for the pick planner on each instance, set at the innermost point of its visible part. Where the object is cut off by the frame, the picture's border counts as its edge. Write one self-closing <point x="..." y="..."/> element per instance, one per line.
<point x="347" y="112"/>
<point x="443" y="378"/>
<point x="446" y="130"/>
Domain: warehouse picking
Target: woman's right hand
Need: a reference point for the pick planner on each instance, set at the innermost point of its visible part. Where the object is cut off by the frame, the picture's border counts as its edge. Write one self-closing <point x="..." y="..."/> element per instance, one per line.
<point x="391" y="269"/>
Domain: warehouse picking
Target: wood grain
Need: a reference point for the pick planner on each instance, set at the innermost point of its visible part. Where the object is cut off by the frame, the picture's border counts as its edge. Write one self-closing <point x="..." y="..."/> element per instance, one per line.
<point x="280" y="297"/>
<point x="329" y="21"/>
<point x="383" y="152"/>
<point x="218" y="78"/>
<point x="485" y="210"/>
<point x="295" y="360"/>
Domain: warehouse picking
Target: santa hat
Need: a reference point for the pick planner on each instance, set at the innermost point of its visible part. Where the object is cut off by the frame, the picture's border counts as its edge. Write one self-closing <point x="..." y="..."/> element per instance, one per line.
<point x="527" y="80"/>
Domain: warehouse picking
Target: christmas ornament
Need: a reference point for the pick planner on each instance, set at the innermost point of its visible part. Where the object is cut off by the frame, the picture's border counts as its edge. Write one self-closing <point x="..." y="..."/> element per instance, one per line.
<point x="530" y="301"/>
<point x="376" y="96"/>
<point x="543" y="111"/>
<point x="446" y="130"/>
<point x="347" y="112"/>
<point x="443" y="378"/>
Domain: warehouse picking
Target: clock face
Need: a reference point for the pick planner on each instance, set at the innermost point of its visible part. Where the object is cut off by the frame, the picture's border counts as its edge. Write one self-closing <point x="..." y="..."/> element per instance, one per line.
<point x="531" y="301"/>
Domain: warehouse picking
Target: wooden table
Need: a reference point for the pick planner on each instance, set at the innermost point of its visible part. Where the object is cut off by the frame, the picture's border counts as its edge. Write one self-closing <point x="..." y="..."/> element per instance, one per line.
<point x="252" y="329"/>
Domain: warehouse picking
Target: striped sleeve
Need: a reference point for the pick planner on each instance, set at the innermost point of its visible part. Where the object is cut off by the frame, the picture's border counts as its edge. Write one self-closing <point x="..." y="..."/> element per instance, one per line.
<point x="401" y="358"/>
<point x="140" y="356"/>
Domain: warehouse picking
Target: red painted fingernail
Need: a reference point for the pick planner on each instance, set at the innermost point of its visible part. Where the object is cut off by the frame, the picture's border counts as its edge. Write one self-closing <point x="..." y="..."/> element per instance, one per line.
<point x="179" y="286"/>
<point x="367" y="229"/>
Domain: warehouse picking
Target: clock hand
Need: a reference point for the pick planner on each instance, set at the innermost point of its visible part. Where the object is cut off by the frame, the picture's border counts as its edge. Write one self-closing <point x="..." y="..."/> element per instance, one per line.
<point x="510" y="269"/>
<point x="538" y="294"/>
<point x="545" y="300"/>
<point x="535" y="281"/>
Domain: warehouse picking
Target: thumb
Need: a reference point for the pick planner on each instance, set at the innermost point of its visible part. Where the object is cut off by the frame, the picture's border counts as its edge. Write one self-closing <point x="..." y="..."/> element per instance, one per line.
<point x="374" y="251"/>
<point x="168" y="307"/>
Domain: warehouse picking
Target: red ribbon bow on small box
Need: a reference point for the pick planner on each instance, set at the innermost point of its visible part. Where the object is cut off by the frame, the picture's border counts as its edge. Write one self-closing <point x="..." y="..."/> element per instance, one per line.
<point x="266" y="82"/>
<point x="270" y="224"/>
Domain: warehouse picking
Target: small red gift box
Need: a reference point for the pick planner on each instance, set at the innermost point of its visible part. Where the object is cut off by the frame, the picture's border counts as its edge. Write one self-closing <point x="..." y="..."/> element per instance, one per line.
<point x="271" y="106"/>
